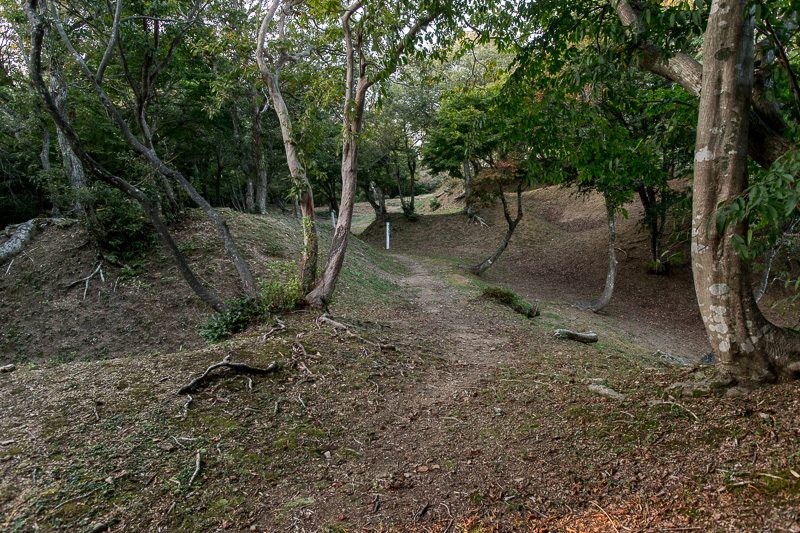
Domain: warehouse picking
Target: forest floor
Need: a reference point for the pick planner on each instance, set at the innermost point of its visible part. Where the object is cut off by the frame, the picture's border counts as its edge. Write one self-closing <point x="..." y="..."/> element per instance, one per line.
<point x="437" y="410"/>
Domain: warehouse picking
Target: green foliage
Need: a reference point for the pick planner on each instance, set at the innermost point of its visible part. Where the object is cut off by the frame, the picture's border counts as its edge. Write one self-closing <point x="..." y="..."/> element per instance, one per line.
<point x="241" y="313"/>
<point x="769" y="205"/>
<point x="279" y="293"/>
<point x="434" y="204"/>
<point x="512" y="300"/>
<point x="126" y="231"/>
<point x="283" y="290"/>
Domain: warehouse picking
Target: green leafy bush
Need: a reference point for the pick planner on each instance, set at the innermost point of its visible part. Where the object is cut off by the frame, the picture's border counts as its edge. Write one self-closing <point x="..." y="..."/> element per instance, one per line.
<point x="512" y="300"/>
<point x="434" y="204"/>
<point x="241" y="313"/>
<point x="282" y="291"/>
<point x="278" y="293"/>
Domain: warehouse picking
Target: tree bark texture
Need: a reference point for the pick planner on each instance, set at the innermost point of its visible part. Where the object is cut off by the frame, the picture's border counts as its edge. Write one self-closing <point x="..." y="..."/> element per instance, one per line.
<point x="611" y="276"/>
<point x="20" y="236"/>
<point x="73" y="169"/>
<point x="512" y="225"/>
<point x="747" y="347"/>
<point x="765" y="143"/>
<point x="37" y="33"/>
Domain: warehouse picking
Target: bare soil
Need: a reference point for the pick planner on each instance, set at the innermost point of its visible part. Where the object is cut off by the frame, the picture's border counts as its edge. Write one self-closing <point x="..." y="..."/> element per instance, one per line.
<point x="477" y="419"/>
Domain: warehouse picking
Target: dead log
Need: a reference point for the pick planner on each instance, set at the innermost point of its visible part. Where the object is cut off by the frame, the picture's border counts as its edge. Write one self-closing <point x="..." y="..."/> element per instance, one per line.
<point x="19" y="236"/>
<point x="238" y="367"/>
<point x="586" y="338"/>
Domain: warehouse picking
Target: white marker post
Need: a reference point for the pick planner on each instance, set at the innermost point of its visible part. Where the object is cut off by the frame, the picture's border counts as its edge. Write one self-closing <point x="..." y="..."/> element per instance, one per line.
<point x="387" y="235"/>
<point x="333" y="219"/>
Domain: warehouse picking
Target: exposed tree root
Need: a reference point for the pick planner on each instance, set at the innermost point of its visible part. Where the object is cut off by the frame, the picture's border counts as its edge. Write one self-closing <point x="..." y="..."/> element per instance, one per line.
<point x="325" y="319"/>
<point x="239" y="367"/>
<point x="87" y="279"/>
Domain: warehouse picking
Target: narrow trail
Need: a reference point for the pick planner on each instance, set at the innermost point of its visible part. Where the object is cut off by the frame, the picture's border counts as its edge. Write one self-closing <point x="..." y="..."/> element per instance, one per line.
<point x="472" y="349"/>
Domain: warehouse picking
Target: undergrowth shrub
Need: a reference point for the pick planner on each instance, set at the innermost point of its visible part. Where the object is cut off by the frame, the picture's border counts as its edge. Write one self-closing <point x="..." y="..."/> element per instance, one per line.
<point x="512" y="300"/>
<point x="279" y="292"/>
<point x="241" y="313"/>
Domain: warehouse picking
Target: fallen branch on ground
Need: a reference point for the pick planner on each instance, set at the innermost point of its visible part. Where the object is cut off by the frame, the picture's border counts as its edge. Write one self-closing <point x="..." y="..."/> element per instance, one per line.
<point x="186" y="406"/>
<point x="87" y="279"/>
<point x="280" y="329"/>
<point x="239" y="367"/>
<point x="325" y="319"/>
<point x="586" y="338"/>
<point x="196" y="470"/>
<point x="19" y="235"/>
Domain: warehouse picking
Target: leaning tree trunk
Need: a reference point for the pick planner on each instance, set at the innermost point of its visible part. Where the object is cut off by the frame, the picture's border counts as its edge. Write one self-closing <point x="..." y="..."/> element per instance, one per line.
<point x="748" y="348"/>
<point x="73" y="169"/>
<point x="308" y="264"/>
<point x="611" y="276"/>
<point x="37" y="35"/>
<point x="512" y="225"/>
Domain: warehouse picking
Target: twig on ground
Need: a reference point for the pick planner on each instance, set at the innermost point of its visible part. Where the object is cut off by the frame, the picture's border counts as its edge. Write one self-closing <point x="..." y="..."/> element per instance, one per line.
<point x="165" y="378"/>
<point x="422" y="511"/>
<point x="250" y="384"/>
<point x="300" y="397"/>
<point x="676" y="404"/>
<point x="196" y="470"/>
<point x="62" y="504"/>
<point x="239" y="367"/>
<point x="186" y="406"/>
<point x="376" y="504"/>
<point x="178" y="443"/>
<point x="280" y="329"/>
<point x="605" y="513"/>
<point x="9" y="266"/>
<point x="325" y="319"/>
<point x="86" y="280"/>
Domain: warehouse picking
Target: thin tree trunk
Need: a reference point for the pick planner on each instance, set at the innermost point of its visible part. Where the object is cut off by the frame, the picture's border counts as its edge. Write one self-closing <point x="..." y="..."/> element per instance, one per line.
<point x="512" y="225"/>
<point x="37" y="33"/>
<point x="257" y="143"/>
<point x="769" y="257"/>
<point x="467" y="187"/>
<point x="611" y="276"/>
<point x="412" y="175"/>
<point x="308" y="263"/>
<point x="747" y="347"/>
<point x="73" y="169"/>
<point x="250" y="195"/>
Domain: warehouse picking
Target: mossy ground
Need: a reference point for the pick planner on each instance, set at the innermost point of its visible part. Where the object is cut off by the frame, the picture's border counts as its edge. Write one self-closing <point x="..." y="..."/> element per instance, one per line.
<point x="479" y="420"/>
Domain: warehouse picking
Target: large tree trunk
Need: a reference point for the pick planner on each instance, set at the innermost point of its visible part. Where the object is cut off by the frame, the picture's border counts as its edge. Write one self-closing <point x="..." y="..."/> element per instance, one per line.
<point x="320" y="297"/>
<point x="512" y="225"/>
<point x="355" y="98"/>
<point x="765" y="143"/>
<point x="308" y="264"/>
<point x="611" y="275"/>
<point x="747" y="347"/>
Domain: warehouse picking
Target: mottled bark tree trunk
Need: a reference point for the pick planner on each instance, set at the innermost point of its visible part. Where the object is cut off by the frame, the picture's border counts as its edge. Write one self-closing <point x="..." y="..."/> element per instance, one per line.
<point x="73" y="169"/>
<point x="747" y="347"/>
<point x="512" y="225"/>
<point x="611" y="275"/>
